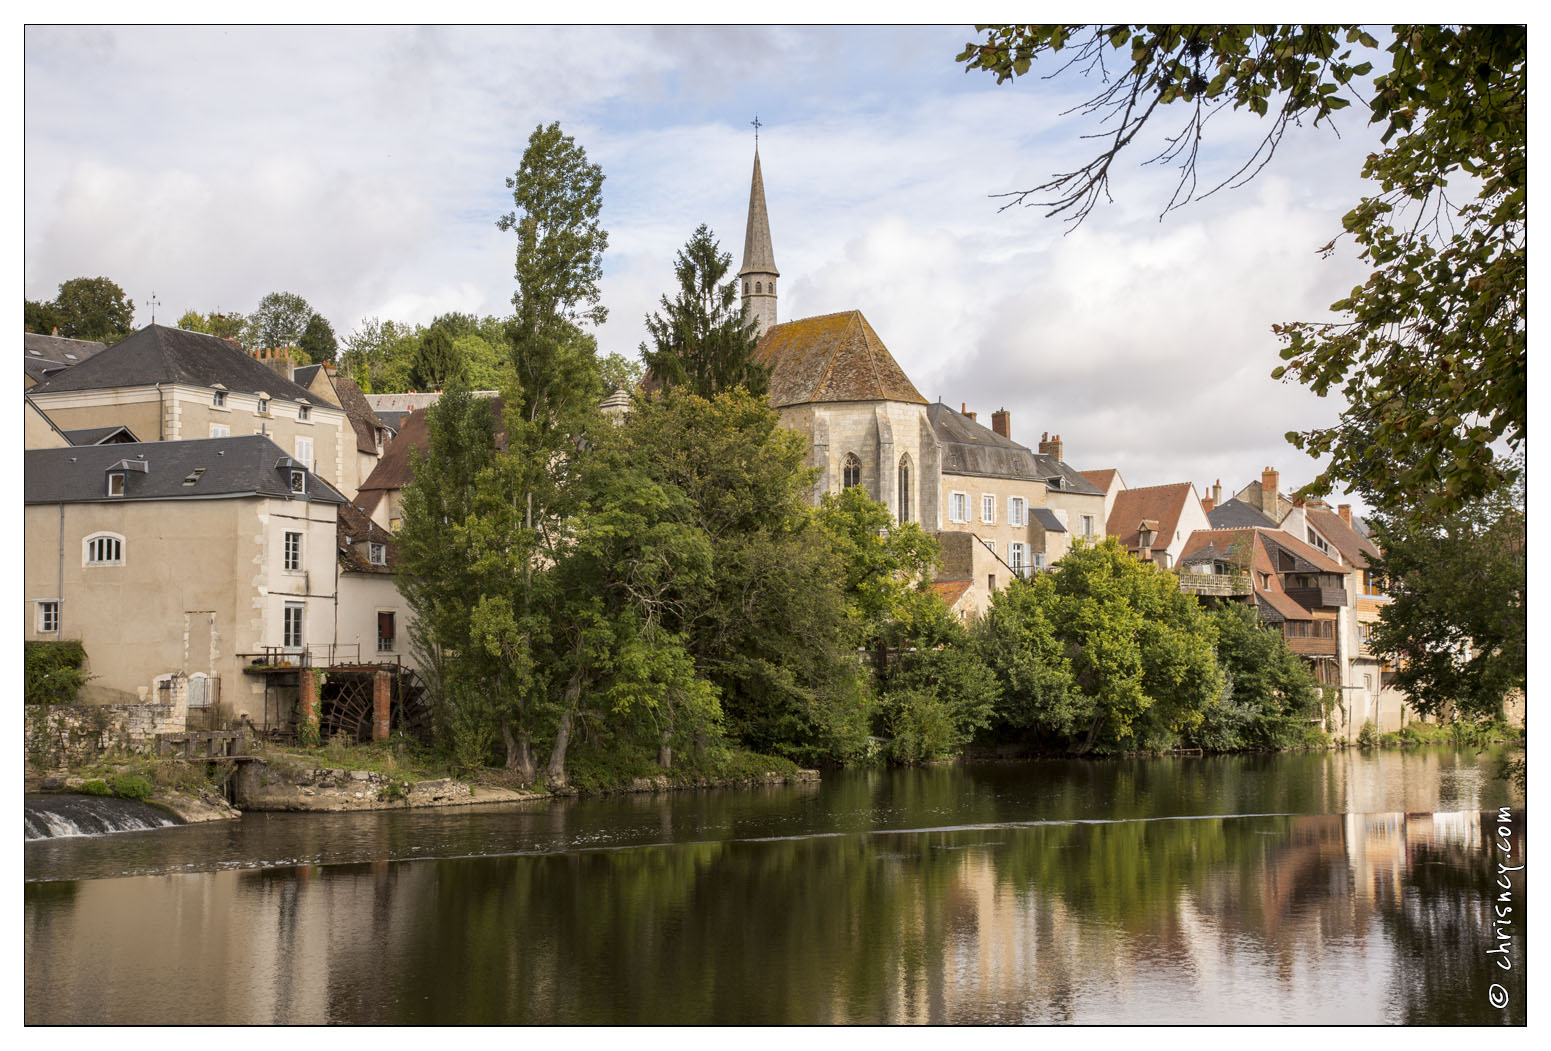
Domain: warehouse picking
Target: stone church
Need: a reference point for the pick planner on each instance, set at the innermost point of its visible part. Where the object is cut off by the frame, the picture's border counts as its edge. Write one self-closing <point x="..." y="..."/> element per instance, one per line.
<point x="1000" y="508"/>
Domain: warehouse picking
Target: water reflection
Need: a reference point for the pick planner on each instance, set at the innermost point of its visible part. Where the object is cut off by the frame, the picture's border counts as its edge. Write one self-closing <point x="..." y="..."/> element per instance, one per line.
<point x="1374" y="917"/>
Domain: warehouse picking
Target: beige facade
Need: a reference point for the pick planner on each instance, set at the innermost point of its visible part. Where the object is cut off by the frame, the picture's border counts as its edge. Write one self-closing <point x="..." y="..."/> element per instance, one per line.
<point x="318" y="434"/>
<point x="998" y="512"/>
<point x="194" y="584"/>
<point x="364" y="598"/>
<point x="892" y="444"/>
<point x="37" y="431"/>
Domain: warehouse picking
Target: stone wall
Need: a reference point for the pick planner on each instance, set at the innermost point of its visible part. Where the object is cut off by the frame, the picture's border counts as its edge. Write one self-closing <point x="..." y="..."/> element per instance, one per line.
<point x="62" y="734"/>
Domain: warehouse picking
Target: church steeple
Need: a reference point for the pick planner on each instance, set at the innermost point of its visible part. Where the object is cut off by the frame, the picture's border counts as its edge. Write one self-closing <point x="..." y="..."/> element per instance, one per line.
<point x="759" y="273"/>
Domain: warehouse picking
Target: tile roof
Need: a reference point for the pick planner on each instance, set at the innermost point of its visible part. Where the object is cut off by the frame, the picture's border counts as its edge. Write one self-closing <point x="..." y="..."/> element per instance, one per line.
<point x="1275" y="603"/>
<point x="248" y="465"/>
<point x="951" y="591"/>
<point x="395" y="470"/>
<point x="355" y="530"/>
<point x="362" y="419"/>
<point x="1101" y="479"/>
<point x="835" y="357"/>
<point x="1159" y="505"/>
<point x="158" y="354"/>
<point x="1354" y="547"/>
<point x="1236" y="513"/>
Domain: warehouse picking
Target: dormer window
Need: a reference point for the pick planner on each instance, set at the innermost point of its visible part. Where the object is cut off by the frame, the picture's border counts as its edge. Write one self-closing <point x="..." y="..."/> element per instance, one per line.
<point x="263" y="406"/>
<point x="218" y="399"/>
<point x="298" y="481"/>
<point x="115" y="483"/>
<point x="377" y="554"/>
<point x="304" y="412"/>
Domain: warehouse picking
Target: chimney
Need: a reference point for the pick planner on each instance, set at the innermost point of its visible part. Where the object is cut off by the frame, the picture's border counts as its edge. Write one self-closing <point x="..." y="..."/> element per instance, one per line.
<point x="1217" y="493"/>
<point x="1001" y="423"/>
<point x="1049" y="446"/>
<point x="1268" y="482"/>
<point x="1207" y="504"/>
<point x="1345" y="511"/>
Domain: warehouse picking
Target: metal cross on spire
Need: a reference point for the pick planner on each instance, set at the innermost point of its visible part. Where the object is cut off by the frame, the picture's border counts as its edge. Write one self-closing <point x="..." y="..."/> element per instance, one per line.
<point x="757" y="126"/>
<point x="154" y="304"/>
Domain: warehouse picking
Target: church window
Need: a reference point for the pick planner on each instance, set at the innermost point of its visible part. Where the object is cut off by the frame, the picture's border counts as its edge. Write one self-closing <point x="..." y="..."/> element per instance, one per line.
<point x="904" y="489"/>
<point x="759" y="286"/>
<point x="851" y="473"/>
<point x="745" y="288"/>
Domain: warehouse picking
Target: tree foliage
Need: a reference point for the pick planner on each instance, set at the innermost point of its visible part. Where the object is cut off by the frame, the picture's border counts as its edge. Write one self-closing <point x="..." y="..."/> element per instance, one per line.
<point x="278" y="321"/>
<point x="1270" y="696"/>
<point x="89" y="308"/>
<point x="437" y="363"/>
<point x="1430" y="351"/>
<point x="317" y="340"/>
<point x="701" y="341"/>
<point x="226" y="326"/>
<point x="1455" y="627"/>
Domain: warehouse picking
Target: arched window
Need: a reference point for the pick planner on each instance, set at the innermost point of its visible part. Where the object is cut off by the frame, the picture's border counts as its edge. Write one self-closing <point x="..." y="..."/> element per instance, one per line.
<point x="759" y="286"/>
<point x="904" y="488"/>
<point x="103" y="549"/>
<point x="745" y="288"/>
<point x="851" y="473"/>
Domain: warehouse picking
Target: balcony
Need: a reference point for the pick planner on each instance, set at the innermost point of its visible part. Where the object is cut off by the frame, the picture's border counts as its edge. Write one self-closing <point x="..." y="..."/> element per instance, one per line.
<point x="1317" y="598"/>
<point x="1216" y="584"/>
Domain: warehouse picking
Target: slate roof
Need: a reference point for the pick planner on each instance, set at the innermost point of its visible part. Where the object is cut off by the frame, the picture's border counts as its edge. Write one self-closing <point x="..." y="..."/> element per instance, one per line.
<point x="354" y="531"/>
<point x="362" y="419"/>
<point x="99" y="435"/>
<point x="1236" y="514"/>
<point x="248" y="465"/>
<point x="393" y="419"/>
<point x="36" y="347"/>
<point x="971" y="448"/>
<point x="1159" y="505"/>
<point x="834" y="357"/>
<point x="40" y="369"/>
<point x="1047" y="518"/>
<point x="303" y="375"/>
<point x="158" y="354"/>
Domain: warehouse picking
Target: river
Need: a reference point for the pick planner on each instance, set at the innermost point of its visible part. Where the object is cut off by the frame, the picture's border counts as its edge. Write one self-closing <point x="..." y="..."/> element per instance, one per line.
<point x="1307" y="888"/>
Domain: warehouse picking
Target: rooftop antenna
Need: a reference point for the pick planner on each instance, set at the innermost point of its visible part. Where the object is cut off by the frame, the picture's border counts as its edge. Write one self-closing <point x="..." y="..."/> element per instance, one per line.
<point x="757" y="126"/>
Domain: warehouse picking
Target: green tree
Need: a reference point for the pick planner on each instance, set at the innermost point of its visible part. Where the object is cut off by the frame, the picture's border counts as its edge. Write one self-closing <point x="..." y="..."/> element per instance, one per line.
<point x="1135" y="664"/>
<point x="227" y="326"/>
<point x="40" y="316"/>
<point x="278" y="321"/>
<point x="437" y="363"/>
<point x="1455" y="627"/>
<point x="701" y="341"/>
<point x="941" y="692"/>
<point x="1430" y="354"/>
<point x="317" y="339"/>
<point x="92" y="308"/>
<point x="378" y="355"/>
<point x="1269" y="695"/>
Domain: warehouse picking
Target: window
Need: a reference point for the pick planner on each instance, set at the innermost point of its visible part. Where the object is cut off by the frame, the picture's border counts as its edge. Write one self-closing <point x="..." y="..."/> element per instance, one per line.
<point x="958" y="507"/>
<point x="386" y="630"/>
<point x="1015" y="510"/>
<point x="304" y="452"/>
<point x="116" y="483"/>
<point x="293" y="551"/>
<point x="991" y="582"/>
<point x="990" y="545"/>
<point x="219" y="399"/>
<point x="1087" y="527"/>
<point x="292" y="626"/>
<point x="904" y="489"/>
<point x="263" y="406"/>
<point x="298" y="481"/>
<point x="48" y="616"/>
<point x="988" y="509"/>
<point x="304" y="412"/>
<point x="758" y="287"/>
<point x="104" y="549"/>
<point x="1018" y="559"/>
<point x="1039" y="560"/>
<point x="220" y="430"/>
<point x="377" y="554"/>
<point x="851" y="472"/>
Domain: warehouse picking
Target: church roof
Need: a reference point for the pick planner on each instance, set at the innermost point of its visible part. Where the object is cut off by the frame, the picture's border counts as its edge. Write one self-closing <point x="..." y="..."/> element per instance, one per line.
<point x="834" y="357"/>
<point x="758" y="256"/>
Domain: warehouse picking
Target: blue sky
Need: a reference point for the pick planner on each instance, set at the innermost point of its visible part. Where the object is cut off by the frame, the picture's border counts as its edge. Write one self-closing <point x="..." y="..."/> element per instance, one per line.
<point x="364" y="169"/>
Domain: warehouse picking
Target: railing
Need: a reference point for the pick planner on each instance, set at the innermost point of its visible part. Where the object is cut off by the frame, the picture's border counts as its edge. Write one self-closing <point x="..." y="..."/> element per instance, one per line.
<point x="321" y="655"/>
<point x="1215" y="583"/>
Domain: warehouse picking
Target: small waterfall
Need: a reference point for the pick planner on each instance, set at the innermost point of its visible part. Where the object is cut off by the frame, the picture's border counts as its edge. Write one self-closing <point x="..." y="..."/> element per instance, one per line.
<point x="54" y="816"/>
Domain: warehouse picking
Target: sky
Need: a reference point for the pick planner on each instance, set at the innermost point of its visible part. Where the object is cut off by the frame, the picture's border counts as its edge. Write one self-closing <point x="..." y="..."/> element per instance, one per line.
<point x="364" y="169"/>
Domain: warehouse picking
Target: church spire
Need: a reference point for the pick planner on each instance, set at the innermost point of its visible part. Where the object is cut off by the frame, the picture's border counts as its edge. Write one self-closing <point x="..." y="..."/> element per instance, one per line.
<point x="759" y="272"/>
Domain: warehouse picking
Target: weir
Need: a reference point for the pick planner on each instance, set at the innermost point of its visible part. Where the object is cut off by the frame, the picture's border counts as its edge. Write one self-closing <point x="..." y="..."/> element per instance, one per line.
<point x="49" y="816"/>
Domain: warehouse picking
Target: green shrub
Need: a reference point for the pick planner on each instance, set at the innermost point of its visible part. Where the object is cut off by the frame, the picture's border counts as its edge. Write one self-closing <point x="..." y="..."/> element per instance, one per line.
<point x="131" y="786"/>
<point x="97" y="788"/>
<point x="1368" y="736"/>
<point x="55" y="672"/>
